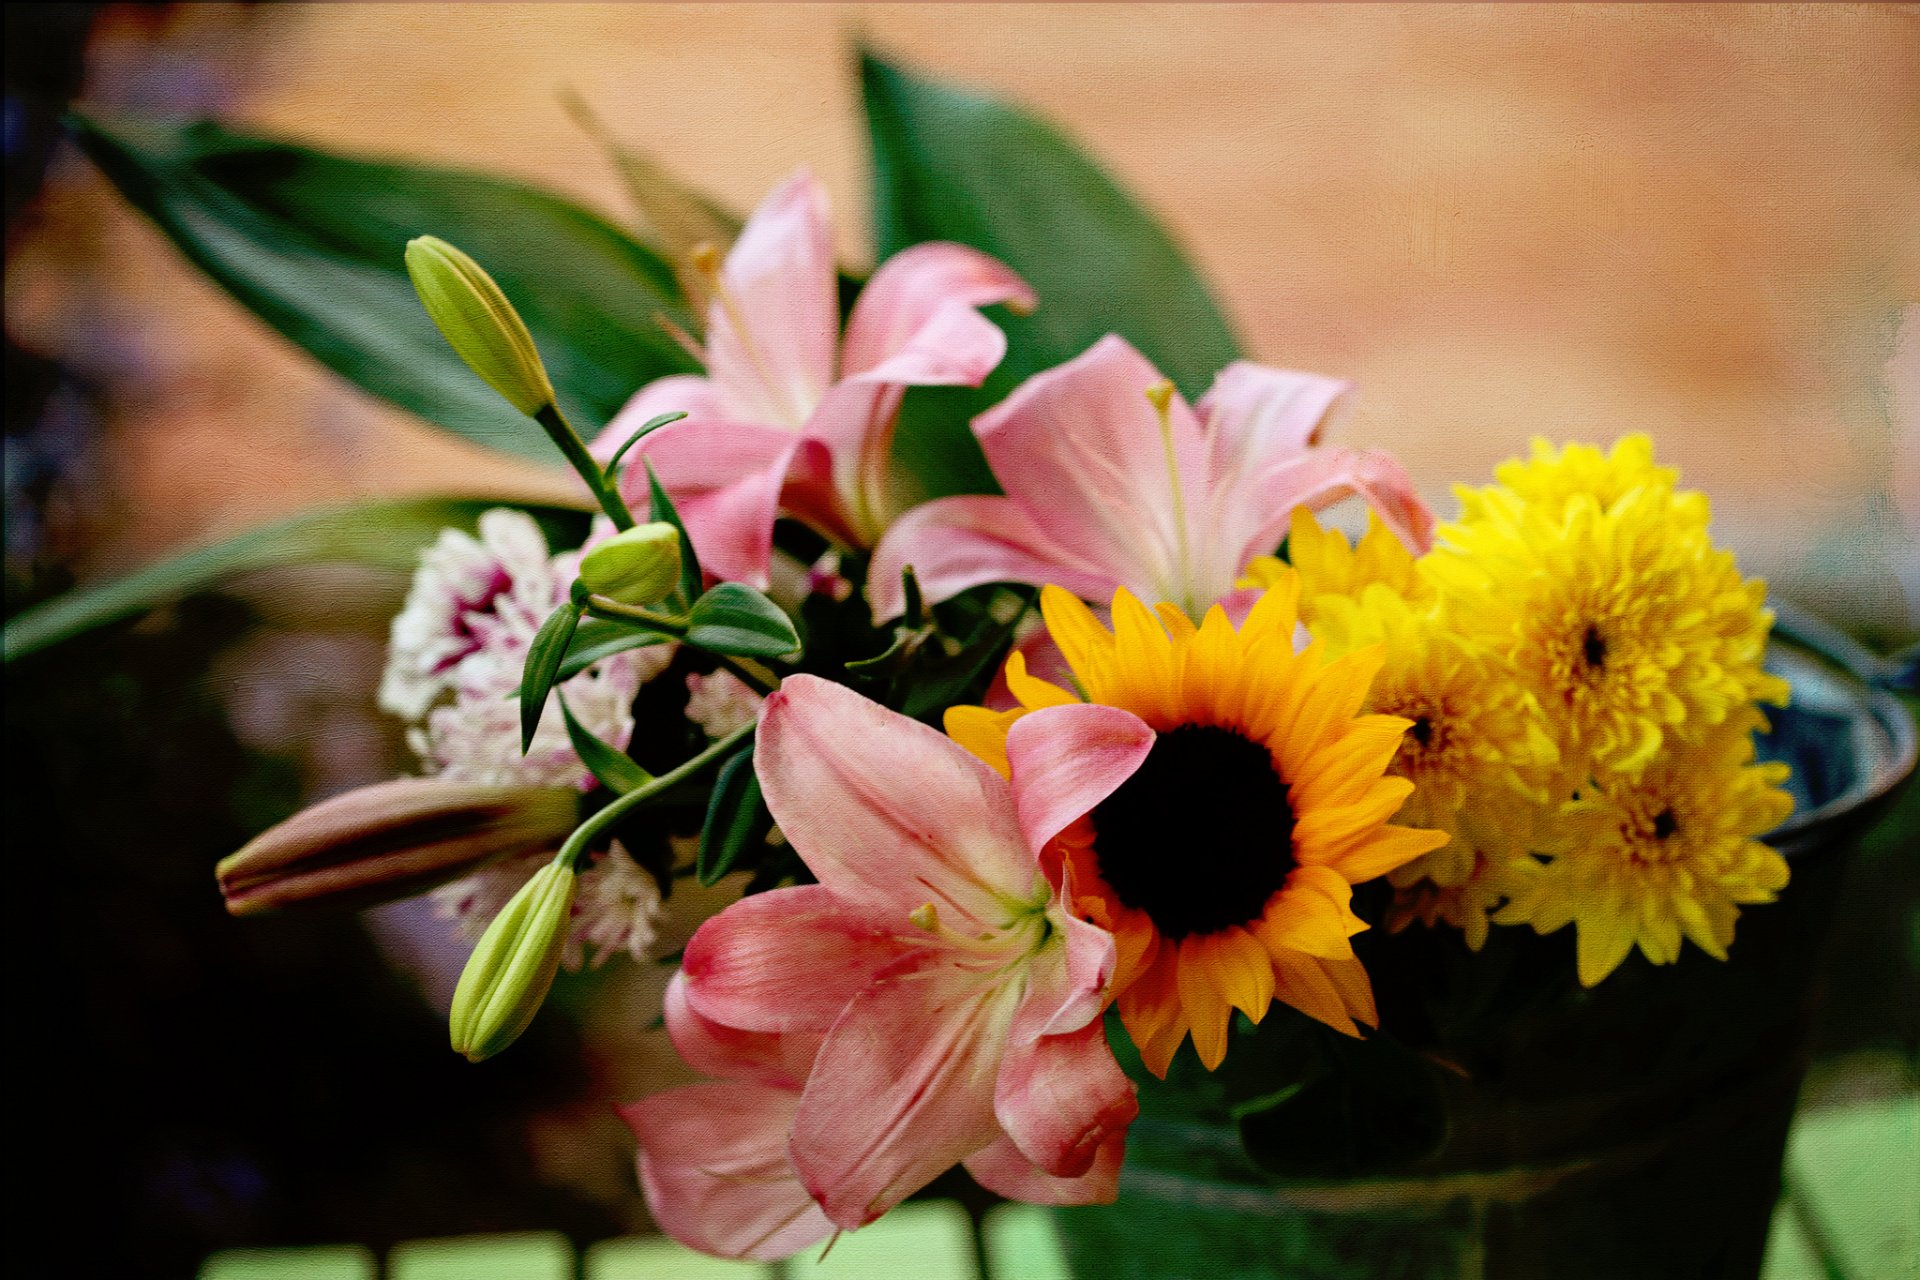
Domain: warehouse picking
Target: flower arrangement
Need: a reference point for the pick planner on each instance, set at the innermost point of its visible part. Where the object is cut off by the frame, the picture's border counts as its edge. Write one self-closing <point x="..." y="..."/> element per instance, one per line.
<point x="1037" y="802"/>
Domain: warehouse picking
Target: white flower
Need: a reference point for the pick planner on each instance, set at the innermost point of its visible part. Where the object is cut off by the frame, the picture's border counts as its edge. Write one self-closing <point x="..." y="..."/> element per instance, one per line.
<point x="616" y="909"/>
<point x="720" y="703"/>
<point x="474" y="609"/>
<point x="616" y="905"/>
<point x="469" y="595"/>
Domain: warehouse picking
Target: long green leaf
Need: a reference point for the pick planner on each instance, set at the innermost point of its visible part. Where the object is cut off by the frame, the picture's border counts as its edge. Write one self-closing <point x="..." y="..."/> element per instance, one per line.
<point x="737" y="819"/>
<point x="387" y="535"/>
<point x="543" y="664"/>
<point x="612" y="766"/>
<point x="313" y="244"/>
<point x="953" y="165"/>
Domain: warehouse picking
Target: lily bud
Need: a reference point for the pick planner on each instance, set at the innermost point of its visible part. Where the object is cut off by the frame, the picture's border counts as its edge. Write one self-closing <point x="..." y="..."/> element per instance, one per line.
<point x="637" y="566"/>
<point x="479" y="323"/>
<point x="508" y="975"/>
<point x="392" y="840"/>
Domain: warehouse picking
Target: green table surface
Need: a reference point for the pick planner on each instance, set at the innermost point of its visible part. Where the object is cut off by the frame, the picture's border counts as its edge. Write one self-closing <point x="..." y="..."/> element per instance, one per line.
<point x="1851" y="1212"/>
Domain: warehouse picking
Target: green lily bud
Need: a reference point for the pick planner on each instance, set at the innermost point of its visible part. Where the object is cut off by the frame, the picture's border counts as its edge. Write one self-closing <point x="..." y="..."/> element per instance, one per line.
<point x="639" y="566"/>
<point x="392" y="840"/>
<point x="479" y="323"/>
<point x="508" y="975"/>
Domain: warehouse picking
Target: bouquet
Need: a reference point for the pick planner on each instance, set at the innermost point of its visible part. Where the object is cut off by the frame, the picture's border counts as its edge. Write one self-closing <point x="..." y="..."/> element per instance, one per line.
<point x="976" y="624"/>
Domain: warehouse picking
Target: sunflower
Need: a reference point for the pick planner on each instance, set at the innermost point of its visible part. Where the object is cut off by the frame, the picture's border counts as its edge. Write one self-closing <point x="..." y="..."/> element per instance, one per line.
<point x="1668" y="854"/>
<point x="1225" y="865"/>
<point x="1621" y="619"/>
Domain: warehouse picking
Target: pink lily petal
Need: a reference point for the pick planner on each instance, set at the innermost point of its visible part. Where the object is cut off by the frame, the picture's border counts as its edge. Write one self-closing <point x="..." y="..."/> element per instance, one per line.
<point x="771" y="338"/>
<point x="727" y="1053"/>
<point x="961" y="542"/>
<point x="1061" y="1097"/>
<point x="725" y="479"/>
<point x="888" y="813"/>
<point x="1066" y="981"/>
<point x="906" y="311"/>
<point x="1067" y="759"/>
<point x="902" y="1090"/>
<point x="854" y="425"/>
<point x="1079" y="448"/>
<point x="1323" y="477"/>
<point x="1003" y="1170"/>
<point x="1253" y="411"/>
<point x="714" y="1167"/>
<point x="677" y="393"/>
<point x="788" y="960"/>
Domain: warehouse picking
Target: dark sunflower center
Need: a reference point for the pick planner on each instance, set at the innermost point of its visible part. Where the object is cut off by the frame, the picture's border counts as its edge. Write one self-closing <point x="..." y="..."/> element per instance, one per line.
<point x="1593" y="647"/>
<point x="1201" y="835"/>
<point x="1665" y="824"/>
<point x="1422" y="730"/>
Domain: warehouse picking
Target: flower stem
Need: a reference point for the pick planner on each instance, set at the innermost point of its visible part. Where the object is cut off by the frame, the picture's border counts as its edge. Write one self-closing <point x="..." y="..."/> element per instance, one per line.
<point x="666" y="624"/>
<point x="583" y="835"/>
<point x="562" y="434"/>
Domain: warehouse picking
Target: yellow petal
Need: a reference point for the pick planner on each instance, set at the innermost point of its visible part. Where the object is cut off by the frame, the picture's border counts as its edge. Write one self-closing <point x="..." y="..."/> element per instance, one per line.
<point x="1202" y="1002"/>
<point x="1086" y="645"/>
<point x="983" y="731"/>
<point x="1304" y="983"/>
<point x="1243" y="970"/>
<point x="1033" y="692"/>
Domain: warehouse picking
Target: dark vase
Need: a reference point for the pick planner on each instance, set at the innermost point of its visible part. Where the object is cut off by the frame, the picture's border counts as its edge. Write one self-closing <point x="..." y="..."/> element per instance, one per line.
<point x="1512" y="1125"/>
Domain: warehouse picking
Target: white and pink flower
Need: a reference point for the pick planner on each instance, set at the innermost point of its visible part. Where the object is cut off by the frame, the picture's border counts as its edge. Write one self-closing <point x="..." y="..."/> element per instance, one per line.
<point x="792" y="415"/>
<point x="929" y="1002"/>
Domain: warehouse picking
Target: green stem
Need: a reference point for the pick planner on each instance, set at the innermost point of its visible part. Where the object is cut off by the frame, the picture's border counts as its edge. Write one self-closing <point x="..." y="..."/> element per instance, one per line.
<point x="764" y="683"/>
<point x="607" y="607"/>
<point x="583" y="835"/>
<point x="562" y="433"/>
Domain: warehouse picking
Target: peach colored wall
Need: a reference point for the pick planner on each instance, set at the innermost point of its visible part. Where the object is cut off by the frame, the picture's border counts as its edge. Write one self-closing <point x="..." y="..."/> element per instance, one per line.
<point x="1699" y="221"/>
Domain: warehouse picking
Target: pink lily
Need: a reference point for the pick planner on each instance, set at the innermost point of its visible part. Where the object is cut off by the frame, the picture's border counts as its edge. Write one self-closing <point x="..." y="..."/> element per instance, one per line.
<point x="1112" y="481"/>
<point x="928" y="1002"/>
<point x="792" y="415"/>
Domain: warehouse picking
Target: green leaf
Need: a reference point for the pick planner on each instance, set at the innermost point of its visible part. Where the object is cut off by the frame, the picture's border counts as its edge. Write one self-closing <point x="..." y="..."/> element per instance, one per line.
<point x="735" y="619"/>
<point x="953" y="165"/>
<point x="613" y="767"/>
<point x="737" y="818"/>
<point x="662" y="509"/>
<point x="313" y="243"/>
<point x="388" y="535"/>
<point x="596" y="639"/>
<point x="543" y="664"/>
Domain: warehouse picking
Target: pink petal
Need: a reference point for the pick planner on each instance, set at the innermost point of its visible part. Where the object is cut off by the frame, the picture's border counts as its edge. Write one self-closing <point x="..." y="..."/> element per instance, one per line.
<point x="910" y="309"/>
<point x="1079" y="448"/>
<point x="788" y="960"/>
<point x="679" y="393"/>
<point x="714" y="1167"/>
<point x="1062" y="1098"/>
<point x="1254" y="413"/>
<point x="1067" y="759"/>
<point x="1325" y="476"/>
<point x="1003" y="1170"/>
<point x="902" y="1090"/>
<point x="727" y="1053"/>
<point x="1066" y="981"/>
<point x="956" y="543"/>
<point x="854" y="427"/>
<point x="781" y="285"/>
<point x="725" y="480"/>
<point x="888" y="813"/>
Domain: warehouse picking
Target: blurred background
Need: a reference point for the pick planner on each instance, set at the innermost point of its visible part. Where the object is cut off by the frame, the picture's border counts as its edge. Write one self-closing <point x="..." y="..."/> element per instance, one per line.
<point x="1702" y="222"/>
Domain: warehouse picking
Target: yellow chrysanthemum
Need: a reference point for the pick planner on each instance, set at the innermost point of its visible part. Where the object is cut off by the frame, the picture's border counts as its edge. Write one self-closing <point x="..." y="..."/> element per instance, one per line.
<point x="1329" y="565"/>
<point x="1553" y="476"/>
<point x="1480" y="754"/>
<point x="1225" y="865"/>
<point x="1669" y="854"/>
<point x="1623" y="620"/>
